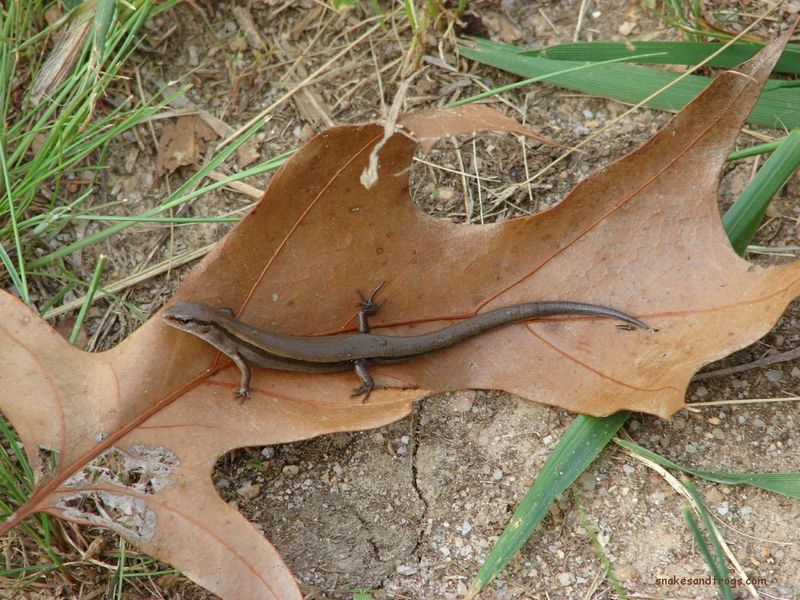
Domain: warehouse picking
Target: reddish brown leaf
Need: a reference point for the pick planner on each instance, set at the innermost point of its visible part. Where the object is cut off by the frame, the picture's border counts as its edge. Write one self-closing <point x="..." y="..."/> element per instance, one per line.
<point x="429" y="126"/>
<point x="136" y="430"/>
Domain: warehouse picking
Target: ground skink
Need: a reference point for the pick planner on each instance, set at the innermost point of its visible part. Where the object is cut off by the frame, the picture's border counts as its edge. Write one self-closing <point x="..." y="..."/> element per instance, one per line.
<point x="247" y="345"/>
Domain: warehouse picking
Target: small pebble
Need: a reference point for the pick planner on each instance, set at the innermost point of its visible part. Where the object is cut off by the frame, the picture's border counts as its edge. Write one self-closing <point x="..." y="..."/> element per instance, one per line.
<point x="340" y="441"/>
<point x="587" y="481"/>
<point x="290" y="470"/>
<point x="463" y="401"/>
<point x="405" y="570"/>
<point x="248" y="491"/>
<point x="566" y="579"/>
<point x="625" y="572"/>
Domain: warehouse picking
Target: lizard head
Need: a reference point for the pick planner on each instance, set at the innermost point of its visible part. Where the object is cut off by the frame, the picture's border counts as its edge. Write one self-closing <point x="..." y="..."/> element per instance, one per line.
<point x="189" y="316"/>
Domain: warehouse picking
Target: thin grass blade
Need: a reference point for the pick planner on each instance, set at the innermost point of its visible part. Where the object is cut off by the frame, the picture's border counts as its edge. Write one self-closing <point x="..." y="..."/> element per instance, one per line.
<point x="581" y="443"/>
<point x="742" y="220"/>
<point x="180" y="195"/>
<point x="98" y="270"/>
<point x="716" y="561"/>
<point x="669" y="53"/>
<point x="778" y="105"/>
<point x="103" y="16"/>
<point x="786" y="483"/>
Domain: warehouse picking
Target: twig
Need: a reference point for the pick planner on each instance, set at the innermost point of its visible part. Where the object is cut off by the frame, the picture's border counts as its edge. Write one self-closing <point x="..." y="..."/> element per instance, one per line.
<point x="770" y="359"/>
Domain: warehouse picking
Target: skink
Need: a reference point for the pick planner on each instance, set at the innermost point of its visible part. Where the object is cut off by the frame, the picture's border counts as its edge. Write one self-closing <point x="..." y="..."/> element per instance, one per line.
<point x="246" y="345"/>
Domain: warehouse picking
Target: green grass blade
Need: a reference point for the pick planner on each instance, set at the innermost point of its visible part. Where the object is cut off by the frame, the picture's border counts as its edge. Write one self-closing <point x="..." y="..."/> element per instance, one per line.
<point x="511" y="86"/>
<point x="743" y="218"/>
<point x="786" y="483"/>
<point x="669" y="53"/>
<point x="98" y="270"/>
<point x="716" y="561"/>
<point x="103" y="16"/>
<point x="66" y="125"/>
<point x="16" y="483"/>
<point x="778" y="105"/>
<point x="579" y="446"/>
<point x="179" y="196"/>
<point x="119" y="575"/>
<point x="17" y="273"/>
<point x="599" y="551"/>
<point x="158" y="220"/>
<point x="767" y="148"/>
<point x="700" y="542"/>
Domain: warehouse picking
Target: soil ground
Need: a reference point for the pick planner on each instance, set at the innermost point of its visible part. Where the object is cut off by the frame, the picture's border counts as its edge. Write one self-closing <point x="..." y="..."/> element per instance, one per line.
<point x="410" y="510"/>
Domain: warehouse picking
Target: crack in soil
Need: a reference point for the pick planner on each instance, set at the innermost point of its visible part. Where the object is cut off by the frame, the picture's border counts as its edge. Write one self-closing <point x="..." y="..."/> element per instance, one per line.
<point x="413" y="444"/>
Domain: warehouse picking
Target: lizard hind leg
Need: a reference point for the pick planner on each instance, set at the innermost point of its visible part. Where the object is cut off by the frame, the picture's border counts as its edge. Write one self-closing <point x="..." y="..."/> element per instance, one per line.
<point x="369" y="384"/>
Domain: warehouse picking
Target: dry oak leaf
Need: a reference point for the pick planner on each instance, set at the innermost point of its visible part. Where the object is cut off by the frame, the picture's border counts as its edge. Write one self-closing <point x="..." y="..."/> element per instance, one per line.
<point x="135" y="431"/>
<point x="127" y="439"/>
<point x="182" y="143"/>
